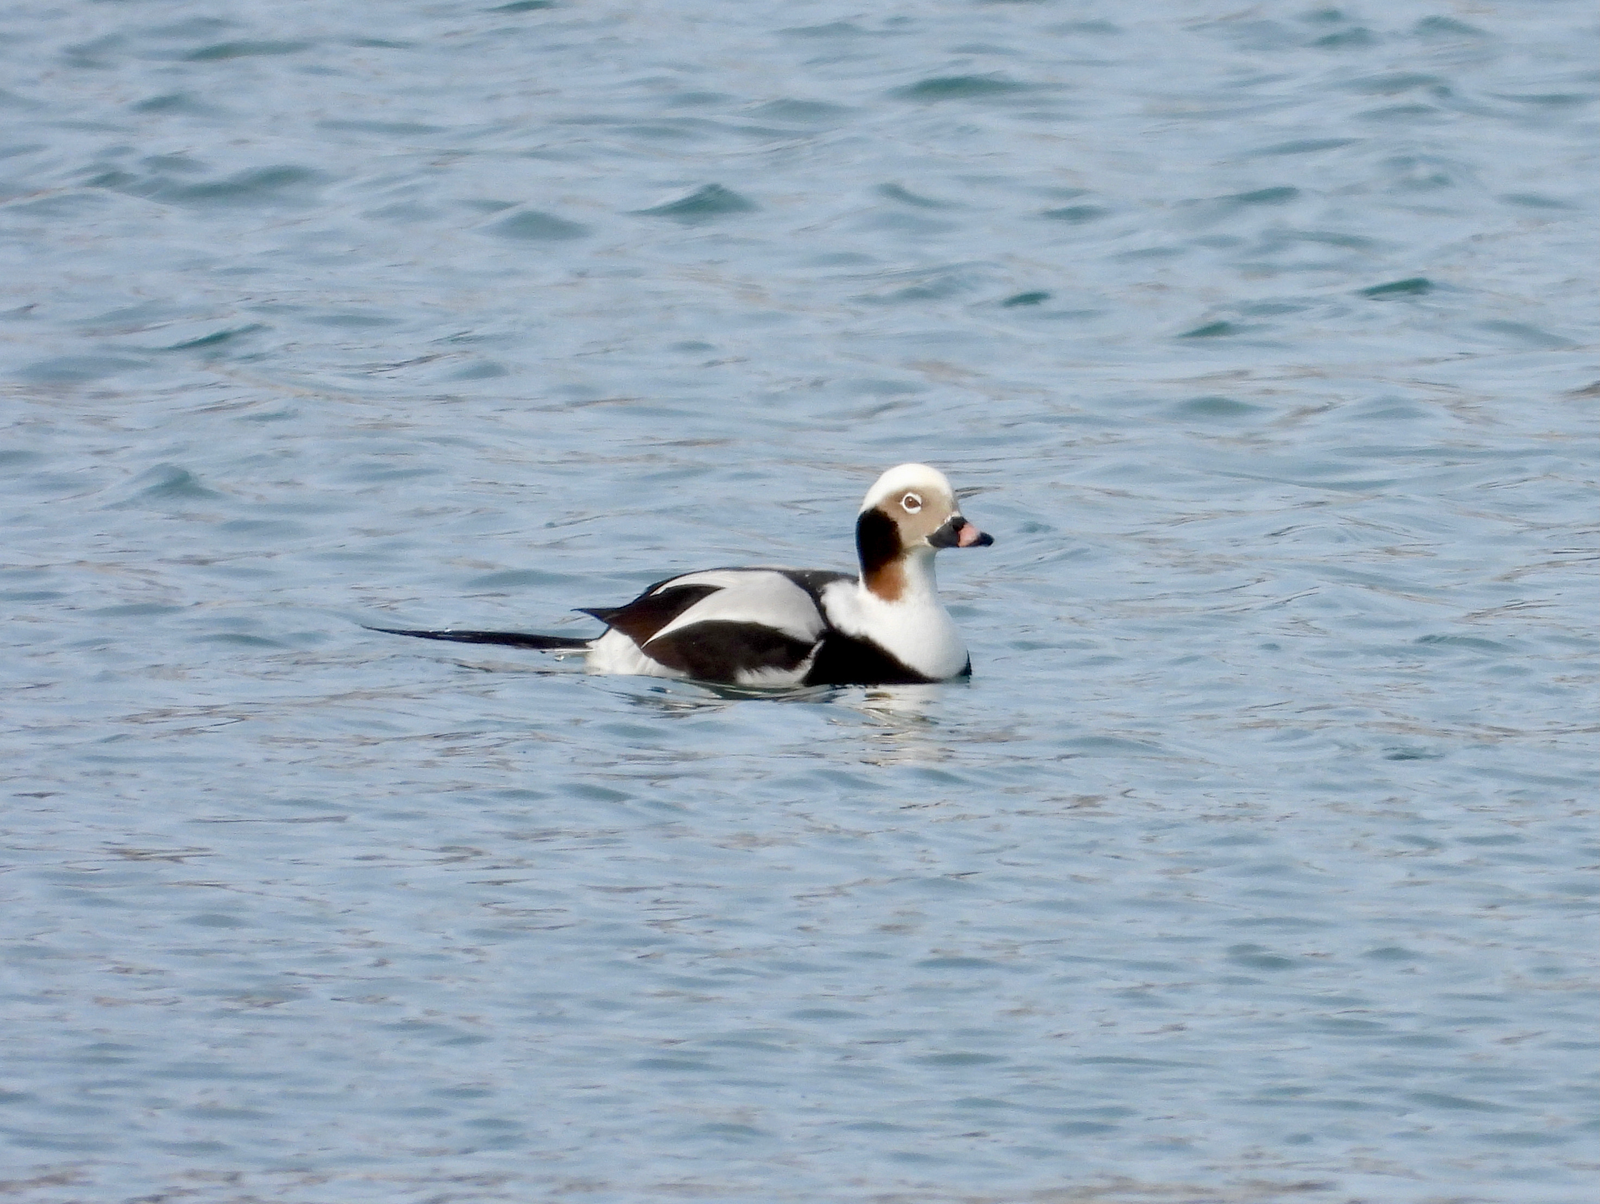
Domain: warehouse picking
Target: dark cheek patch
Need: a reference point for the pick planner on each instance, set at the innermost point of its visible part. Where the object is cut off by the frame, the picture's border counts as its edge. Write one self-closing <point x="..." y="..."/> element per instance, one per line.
<point x="878" y="544"/>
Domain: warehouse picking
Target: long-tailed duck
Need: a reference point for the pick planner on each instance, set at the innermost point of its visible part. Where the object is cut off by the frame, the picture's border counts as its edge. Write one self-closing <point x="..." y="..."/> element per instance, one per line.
<point x="793" y="627"/>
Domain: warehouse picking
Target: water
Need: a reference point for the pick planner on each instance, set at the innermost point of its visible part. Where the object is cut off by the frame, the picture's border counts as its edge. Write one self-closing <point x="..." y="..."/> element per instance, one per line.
<point x="1256" y="860"/>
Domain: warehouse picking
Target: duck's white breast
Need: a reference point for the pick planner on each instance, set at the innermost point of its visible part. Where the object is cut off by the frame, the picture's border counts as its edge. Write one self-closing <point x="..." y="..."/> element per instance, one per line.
<point x="918" y="631"/>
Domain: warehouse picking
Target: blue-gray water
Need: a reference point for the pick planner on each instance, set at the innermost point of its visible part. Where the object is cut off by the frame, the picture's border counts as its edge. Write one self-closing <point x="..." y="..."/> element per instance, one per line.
<point x="1254" y="863"/>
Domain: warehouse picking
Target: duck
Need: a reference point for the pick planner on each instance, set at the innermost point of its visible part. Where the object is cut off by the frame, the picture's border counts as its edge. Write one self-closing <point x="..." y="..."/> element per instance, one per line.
<point x="775" y="627"/>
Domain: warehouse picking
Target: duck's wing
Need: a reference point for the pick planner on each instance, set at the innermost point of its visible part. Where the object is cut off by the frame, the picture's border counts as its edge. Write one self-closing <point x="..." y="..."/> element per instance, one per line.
<point x="814" y="581"/>
<point x="652" y="610"/>
<point x="735" y="626"/>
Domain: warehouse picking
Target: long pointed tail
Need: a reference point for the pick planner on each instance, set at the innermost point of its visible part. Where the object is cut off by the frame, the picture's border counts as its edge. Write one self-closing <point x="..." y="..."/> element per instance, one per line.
<point x="517" y="639"/>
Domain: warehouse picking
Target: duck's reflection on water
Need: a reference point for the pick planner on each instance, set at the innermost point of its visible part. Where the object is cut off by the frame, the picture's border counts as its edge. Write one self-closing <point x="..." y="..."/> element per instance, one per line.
<point x="904" y="729"/>
<point x="899" y="724"/>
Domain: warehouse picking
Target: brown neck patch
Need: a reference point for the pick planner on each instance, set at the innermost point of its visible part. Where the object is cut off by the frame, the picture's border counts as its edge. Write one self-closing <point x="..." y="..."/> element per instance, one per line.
<point x="878" y="546"/>
<point x="888" y="583"/>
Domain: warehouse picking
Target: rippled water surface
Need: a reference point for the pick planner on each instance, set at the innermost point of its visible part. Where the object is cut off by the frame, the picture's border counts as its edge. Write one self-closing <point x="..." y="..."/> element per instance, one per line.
<point x="1256" y="861"/>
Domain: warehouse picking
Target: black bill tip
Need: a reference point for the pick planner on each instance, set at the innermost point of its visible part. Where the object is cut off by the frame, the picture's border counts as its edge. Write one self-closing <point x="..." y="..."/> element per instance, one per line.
<point x="959" y="533"/>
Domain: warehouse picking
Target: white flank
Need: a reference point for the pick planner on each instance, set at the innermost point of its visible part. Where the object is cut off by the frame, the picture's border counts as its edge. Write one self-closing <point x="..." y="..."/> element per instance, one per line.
<point x="777" y="678"/>
<point x="616" y="653"/>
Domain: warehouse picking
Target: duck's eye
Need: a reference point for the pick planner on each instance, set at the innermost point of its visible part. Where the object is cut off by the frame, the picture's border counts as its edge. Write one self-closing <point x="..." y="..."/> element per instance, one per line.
<point x="911" y="503"/>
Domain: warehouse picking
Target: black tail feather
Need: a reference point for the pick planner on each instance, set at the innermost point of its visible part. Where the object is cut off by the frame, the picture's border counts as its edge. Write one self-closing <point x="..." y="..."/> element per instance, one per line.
<point x="516" y="639"/>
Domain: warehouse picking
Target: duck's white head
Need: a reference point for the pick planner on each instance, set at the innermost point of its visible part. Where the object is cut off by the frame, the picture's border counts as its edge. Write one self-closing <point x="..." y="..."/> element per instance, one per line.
<point x="908" y="515"/>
